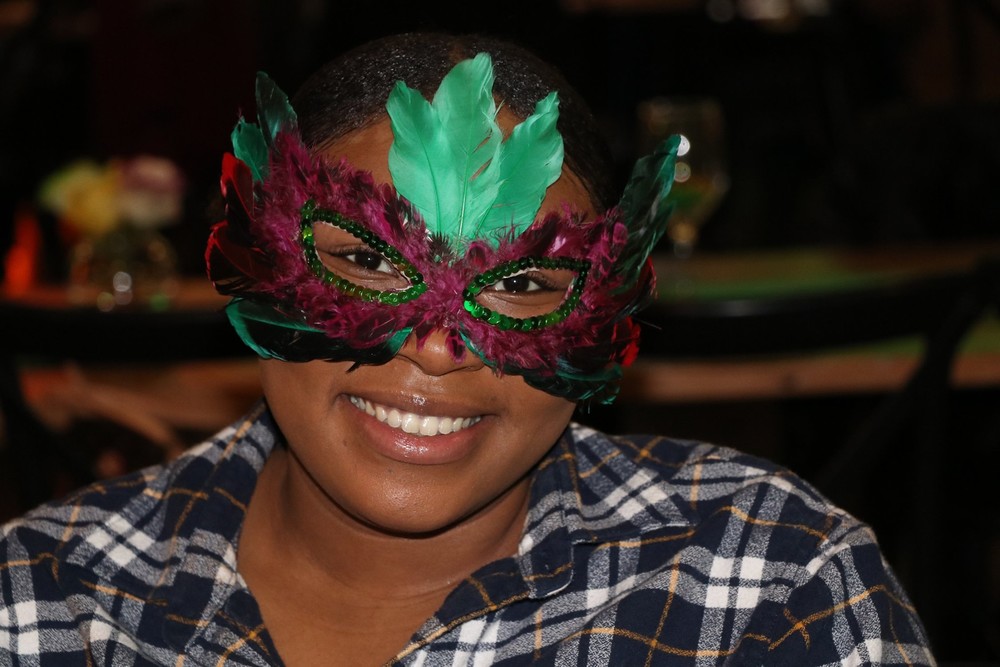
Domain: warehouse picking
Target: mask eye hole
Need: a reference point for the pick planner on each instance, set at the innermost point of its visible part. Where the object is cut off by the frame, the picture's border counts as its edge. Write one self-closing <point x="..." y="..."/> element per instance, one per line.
<point x="550" y="282"/>
<point x="527" y="293"/>
<point x="356" y="261"/>
<point x="347" y="256"/>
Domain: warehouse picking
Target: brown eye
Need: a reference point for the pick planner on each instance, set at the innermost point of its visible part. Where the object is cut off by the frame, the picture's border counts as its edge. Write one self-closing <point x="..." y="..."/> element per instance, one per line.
<point x="526" y="281"/>
<point x="348" y="257"/>
<point x="519" y="283"/>
<point x="354" y="260"/>
<point x="370" y="260"/>
<point x="528" y="293"/>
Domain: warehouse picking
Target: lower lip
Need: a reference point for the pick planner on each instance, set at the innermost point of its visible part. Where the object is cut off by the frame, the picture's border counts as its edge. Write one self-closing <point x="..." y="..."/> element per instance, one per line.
<point x="394" y="444"/>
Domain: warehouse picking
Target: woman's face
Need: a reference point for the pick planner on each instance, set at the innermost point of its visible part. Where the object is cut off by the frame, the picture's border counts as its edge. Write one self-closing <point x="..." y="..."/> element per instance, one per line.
<point x="352" y="431"/>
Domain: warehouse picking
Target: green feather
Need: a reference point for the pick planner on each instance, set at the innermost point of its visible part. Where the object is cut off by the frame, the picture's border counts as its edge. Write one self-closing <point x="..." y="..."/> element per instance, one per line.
<point x="240" y="312"/>
<point x="442" y="156"/>
<point x="274" y="112"/>
<point x="530" y="161"/>
<point x="448" y="157"/>
<point x="644" y="210"/>
<point x="250" y="147"/>
<point x="419" y="146"/>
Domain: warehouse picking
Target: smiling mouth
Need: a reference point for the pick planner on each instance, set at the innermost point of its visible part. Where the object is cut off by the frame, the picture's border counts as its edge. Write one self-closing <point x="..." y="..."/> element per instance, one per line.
<point x="412" y="423"/>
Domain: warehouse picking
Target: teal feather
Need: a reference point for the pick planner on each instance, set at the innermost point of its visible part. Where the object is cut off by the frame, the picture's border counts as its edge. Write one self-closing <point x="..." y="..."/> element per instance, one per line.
<point x="420" y="144"/>
<point x="274" y="112"/>
<point x="449" y="159"/>
<point x="530" y="161"/>
<point x="250" y="147"/>
<point x="251" y="144"/>
<point x="644" y="209"/>
<point x="599" y="386"/>
<point x="241" y="311"/>
<point x="442" y="157"/>
<point x="567" y="381"/>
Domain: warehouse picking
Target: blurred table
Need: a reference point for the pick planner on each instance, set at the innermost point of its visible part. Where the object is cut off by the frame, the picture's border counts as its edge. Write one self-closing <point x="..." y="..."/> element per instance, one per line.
<point x="723" y="293"/>
<point x="194" y="293"/>
<point x="162" y="374"/>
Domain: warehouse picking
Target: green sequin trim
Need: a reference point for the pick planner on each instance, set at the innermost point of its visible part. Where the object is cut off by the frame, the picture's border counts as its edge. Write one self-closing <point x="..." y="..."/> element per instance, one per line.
<point x="311" y="213"/>
<point x="507" y="323"/>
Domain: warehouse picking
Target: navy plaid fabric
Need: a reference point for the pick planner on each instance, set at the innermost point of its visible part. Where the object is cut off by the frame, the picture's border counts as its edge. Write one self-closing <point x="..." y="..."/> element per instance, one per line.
<point x="637" y="551"/>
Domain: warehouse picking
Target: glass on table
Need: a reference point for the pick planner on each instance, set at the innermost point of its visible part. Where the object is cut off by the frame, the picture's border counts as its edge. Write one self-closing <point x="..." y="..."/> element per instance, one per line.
<point x="701" y="177"/>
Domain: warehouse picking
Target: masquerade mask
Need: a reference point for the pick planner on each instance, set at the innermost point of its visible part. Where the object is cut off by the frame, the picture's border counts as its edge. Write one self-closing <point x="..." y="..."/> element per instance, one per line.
<point x="325" y="264"/>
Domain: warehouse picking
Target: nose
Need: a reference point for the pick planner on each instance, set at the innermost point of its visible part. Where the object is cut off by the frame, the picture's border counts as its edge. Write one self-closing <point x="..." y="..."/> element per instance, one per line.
<point x="435" y="354"/>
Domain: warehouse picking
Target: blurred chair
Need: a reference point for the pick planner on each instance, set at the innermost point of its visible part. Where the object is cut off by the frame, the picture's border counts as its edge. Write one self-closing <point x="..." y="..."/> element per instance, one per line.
<point x="40" y="462"/>
<point x="904" y="445"/>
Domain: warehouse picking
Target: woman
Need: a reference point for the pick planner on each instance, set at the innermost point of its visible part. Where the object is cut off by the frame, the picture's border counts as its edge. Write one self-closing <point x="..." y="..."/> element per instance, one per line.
<point x="433" y="286"/>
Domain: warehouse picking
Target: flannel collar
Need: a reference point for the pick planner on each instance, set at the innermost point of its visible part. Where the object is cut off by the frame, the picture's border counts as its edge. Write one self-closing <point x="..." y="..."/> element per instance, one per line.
<point x="590" y="490"/>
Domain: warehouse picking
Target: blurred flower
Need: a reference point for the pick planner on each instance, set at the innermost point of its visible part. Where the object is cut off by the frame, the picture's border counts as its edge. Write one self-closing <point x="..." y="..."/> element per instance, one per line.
<point x="83" y="194"/>
<point x="144" y="192"/>
<point x="151" y="191"/>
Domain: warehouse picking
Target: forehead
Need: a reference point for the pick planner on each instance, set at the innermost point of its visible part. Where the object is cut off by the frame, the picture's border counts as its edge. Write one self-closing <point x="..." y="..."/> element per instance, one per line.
<point x="368" y="149"/>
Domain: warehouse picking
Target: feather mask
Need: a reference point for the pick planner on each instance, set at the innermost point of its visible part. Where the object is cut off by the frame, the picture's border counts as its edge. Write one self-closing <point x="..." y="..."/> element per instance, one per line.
<point x="454" y="243"/>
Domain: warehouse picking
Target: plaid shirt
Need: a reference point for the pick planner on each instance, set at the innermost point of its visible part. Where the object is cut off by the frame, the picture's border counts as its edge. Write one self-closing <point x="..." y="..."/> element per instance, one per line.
<point x="636" y="551"/>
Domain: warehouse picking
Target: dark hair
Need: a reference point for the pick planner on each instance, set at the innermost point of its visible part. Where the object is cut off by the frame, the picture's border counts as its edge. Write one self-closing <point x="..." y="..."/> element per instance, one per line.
<point x="349" y="93"/>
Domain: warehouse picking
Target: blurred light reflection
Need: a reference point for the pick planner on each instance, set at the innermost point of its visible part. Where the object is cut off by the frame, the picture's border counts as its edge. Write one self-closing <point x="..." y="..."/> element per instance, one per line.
<point x="684" y="147"/>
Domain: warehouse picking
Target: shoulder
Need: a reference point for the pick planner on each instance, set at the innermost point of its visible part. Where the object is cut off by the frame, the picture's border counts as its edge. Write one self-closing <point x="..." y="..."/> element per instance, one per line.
<point x="45" y="532"/>
<point x="722" y="490"/>
<point x="707" y="480"/>
<point x="767" y="551"/>
<point x="138" y="507"/>
<point x="67" y="567"/>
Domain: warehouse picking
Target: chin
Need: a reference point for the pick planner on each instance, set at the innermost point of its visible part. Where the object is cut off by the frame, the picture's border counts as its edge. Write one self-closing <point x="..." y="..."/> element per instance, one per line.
<point x="407" y="521"/>
<point x="425" y="512"/>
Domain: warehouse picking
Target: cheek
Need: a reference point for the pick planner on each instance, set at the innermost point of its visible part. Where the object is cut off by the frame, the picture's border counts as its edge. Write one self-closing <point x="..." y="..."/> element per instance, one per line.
<point x="537" y="426"/>
<point x="299" y="394"/>
<point x="537" y="418"/>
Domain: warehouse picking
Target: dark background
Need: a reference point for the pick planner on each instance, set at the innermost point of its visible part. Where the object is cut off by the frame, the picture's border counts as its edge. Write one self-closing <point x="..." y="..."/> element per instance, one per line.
<point x="853" y="123"/>
<point x="850" y="122"/>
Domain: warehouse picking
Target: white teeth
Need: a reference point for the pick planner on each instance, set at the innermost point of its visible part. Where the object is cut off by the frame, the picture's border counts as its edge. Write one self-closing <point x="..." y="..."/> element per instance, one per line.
<point x="429" y="426"/>
<point x="410" y="422"/>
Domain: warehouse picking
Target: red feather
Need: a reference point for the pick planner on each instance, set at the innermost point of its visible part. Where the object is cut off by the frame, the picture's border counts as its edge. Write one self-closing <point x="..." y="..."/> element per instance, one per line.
<point x="236" y="184"/>
<point x="236" y="264"/>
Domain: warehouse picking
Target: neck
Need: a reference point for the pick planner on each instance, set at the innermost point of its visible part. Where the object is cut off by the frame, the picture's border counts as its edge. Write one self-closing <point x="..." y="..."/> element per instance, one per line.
<point x="294" y="526"/>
